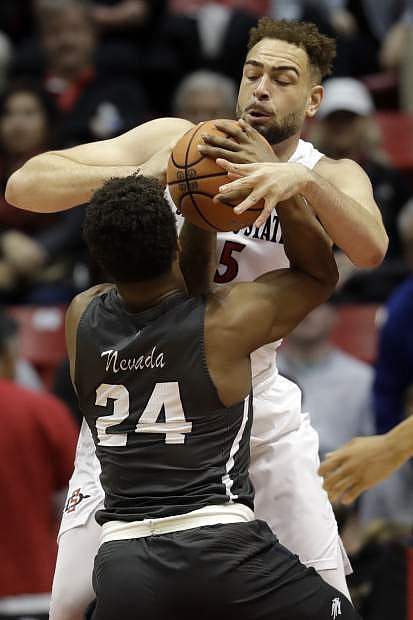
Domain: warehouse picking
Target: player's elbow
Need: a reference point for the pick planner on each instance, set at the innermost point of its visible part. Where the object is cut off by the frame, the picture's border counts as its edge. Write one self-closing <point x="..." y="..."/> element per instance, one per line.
<point x="12" y="191"/>
<point x="19" y="192"/>
<point x="372" y="255"/>
<point x="328" y="281"/>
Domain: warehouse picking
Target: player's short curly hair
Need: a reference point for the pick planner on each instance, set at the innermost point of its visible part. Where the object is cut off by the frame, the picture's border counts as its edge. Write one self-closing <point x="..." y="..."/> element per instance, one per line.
<point x="321" y="50"/>
<point x="130" y="229"/>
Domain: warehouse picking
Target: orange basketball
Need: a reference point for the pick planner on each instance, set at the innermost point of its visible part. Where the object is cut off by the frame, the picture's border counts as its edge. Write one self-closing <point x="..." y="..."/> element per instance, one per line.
<point x="193" y="180"/>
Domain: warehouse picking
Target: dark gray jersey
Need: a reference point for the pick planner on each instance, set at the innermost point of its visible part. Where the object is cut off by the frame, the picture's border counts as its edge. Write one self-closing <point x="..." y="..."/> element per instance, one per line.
<point x="166" y="443"/>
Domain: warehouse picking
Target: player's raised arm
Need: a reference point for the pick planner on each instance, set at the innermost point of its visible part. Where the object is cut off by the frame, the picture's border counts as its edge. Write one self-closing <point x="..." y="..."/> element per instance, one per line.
<point x="59" y="180"/>
<point x="198" y="258"/>
<point x="339" y="192"/>
<point x="365" y="461"/>
<point x="249" y="315"/>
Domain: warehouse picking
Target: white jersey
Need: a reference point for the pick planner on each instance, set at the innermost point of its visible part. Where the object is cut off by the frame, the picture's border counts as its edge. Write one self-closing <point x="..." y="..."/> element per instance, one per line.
<point x="247" y="254"/>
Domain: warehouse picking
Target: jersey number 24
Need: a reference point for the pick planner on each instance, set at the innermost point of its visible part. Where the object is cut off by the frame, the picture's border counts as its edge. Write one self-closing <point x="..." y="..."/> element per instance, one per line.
<point x="164" y="396"/>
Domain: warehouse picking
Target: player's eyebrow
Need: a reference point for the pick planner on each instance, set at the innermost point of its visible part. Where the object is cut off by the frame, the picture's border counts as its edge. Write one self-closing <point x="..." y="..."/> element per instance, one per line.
<point x="275" y="68"/>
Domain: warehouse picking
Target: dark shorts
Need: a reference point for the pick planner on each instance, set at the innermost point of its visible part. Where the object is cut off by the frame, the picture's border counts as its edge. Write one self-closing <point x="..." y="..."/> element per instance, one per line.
<point x="235" y="571"/>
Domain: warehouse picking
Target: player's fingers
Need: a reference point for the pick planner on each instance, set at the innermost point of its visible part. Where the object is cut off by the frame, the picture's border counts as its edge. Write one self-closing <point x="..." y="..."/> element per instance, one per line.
<point x="263" y="217"/>
<point x="237" y="184"/>
<point x="221" y="142"/>
<point x="352" y="494"/>
<point x="237" y="169"/>
<point x="339" y="473"/>
<point x="339" y="487"/>
<point x="248" y="202"/>
<point x="248" y="130"/>
<point x="232" y="198"/>
<point x="218" y="153"/>
<point x="231" y="128"/>
<point x="329" y="465"/>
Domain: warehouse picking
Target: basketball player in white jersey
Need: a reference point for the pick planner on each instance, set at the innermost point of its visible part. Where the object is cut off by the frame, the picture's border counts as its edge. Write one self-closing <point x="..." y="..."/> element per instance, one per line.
<point x="280" y="88"/>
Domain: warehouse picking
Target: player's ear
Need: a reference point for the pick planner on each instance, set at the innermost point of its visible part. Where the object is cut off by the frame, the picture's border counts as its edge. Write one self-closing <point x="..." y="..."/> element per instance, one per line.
<point x="314" y="100"/>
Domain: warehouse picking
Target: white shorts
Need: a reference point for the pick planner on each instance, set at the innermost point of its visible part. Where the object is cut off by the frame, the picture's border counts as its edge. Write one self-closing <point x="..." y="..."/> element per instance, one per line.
<point x="284" y="465"/>
<point x="85" y="494"/>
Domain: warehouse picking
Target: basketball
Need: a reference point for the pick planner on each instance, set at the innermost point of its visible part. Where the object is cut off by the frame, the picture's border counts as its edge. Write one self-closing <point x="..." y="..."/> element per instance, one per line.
<point x="193" y="180"/>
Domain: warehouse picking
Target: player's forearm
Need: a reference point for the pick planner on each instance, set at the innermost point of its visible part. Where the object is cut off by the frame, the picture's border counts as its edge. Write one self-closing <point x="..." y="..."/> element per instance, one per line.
<point x="198" y="258"/>
<point x="400" y="441"/>
<point x="306" y="244"/>
<point x="53" y="182"/>
<point x="352" y="227"/>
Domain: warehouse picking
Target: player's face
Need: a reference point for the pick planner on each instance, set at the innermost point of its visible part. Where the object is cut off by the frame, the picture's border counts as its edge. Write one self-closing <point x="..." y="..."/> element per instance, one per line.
<point x="276" y="92"/>
<point x="23" y="125"/>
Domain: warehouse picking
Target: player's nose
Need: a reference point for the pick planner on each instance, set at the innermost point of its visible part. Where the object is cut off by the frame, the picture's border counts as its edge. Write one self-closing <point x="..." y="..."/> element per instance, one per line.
<point x="261" y="90"/>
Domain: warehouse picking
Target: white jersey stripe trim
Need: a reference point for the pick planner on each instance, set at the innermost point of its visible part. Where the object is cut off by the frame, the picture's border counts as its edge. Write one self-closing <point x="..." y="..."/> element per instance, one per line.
<point x="226" y="479"/>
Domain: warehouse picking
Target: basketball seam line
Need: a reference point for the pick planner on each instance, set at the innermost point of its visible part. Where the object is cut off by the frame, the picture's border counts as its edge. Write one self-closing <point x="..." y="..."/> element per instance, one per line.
<point x="204" y="176"/>
<point x="190" y="191"/>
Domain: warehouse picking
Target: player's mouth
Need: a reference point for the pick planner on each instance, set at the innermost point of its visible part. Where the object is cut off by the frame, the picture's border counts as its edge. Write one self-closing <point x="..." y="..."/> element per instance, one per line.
<point x="257" y="115"/>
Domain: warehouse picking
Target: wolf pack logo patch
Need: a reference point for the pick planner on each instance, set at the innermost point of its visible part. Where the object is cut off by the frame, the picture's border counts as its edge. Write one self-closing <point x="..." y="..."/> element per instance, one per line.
<point x="74" y="500"/>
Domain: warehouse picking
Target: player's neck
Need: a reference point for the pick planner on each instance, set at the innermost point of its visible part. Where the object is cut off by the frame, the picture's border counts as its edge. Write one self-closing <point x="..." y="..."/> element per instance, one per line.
<point x="140" y="296"/>
<point x="285" y="149"/>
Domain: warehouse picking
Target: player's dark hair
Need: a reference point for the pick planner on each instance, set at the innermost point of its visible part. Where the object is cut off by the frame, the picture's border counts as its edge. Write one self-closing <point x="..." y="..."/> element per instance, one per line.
<point x="321" y="50"/>
<point x="130" y="229"/>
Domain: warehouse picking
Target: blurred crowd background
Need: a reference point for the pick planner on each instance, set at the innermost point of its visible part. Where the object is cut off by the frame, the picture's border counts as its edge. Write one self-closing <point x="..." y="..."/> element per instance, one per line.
<point x="72" y="72"/>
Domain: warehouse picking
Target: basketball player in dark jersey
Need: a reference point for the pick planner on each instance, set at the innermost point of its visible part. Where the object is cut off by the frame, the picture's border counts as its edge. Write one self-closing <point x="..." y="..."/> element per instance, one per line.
<point x="164" y="380"/>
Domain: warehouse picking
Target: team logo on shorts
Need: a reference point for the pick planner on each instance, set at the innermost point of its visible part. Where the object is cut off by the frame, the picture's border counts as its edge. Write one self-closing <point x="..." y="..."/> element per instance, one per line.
<point x="335" y="608"/>
<point x="74" y="500"/>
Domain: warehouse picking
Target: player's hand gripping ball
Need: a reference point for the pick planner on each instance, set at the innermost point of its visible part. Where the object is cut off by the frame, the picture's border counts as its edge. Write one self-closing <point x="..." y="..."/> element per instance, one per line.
<point x="194" y="179"/>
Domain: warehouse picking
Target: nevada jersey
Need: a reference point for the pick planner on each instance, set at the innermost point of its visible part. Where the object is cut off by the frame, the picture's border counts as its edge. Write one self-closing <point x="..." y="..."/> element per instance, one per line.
<point x="248" y="253"/>
<point x="165" y="442"/>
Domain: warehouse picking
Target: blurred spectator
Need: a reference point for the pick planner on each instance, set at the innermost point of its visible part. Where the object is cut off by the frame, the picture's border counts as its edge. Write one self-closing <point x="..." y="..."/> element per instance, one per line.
<point x="205" y="95"/>
<point x="136" y="19"/>
<point x="16" y="19"/>
<point x="363" y="27"/>
<point x="19" y="369"/>
<point x="346" y="128"/>
<point x="210" y="36"/>
<point x="406" y="65"/>
<point x="37" y="252"/>
<point x="380" y="557"/>
<point x="394" y="367"/>
<point x="37" y="447"/>
<point x="90" y="105"/>
<point x="63" y="389"/>
<point x="336" y="387"/>
<point x="392" y="391"/>
<point x="6" y="53"/>
<point x="391" y="500"/>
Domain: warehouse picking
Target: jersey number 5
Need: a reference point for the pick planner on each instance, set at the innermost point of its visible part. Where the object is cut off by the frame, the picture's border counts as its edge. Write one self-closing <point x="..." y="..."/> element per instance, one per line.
<point x="227" y="259"/>
<point x="164" y="396"/>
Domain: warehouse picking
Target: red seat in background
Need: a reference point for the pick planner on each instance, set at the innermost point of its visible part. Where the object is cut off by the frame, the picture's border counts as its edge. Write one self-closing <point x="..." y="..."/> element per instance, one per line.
<point x="356" y="331"/>
<point x="41" y="337"/>
<point x="397" y="132"/>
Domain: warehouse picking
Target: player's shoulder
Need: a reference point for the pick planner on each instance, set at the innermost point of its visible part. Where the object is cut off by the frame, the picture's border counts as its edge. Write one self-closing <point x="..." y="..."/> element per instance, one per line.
<point x="332" y="168"/>
<point x="81" y="301"/>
